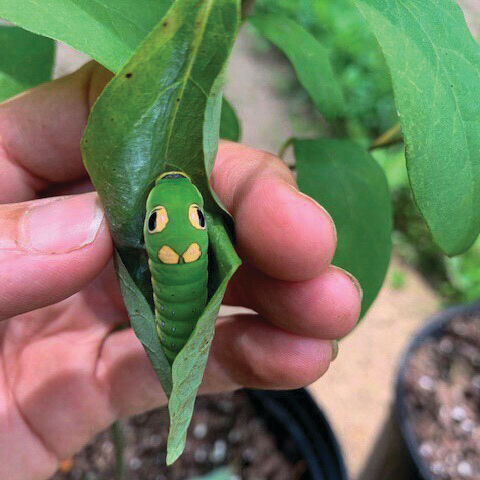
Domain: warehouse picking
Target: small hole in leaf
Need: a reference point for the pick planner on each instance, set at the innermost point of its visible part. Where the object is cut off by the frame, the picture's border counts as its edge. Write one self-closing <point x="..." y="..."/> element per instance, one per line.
<point x="129" y="75"/>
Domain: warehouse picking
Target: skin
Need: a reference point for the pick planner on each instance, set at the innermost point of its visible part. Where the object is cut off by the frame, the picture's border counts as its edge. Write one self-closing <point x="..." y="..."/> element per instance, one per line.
<point x="65" y="373"/>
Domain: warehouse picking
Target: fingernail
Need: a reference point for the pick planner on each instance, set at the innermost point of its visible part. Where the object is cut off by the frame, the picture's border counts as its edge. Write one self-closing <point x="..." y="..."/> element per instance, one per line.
<point x="334" y="344"/>
<point x="354" y="280"/>
<point x="304" y="195"/>
<point x="60" y="225"/>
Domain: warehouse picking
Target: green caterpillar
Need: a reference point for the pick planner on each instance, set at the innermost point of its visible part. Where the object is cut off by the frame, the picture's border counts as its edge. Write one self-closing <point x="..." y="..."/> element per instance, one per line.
<point x="176" y="240"/>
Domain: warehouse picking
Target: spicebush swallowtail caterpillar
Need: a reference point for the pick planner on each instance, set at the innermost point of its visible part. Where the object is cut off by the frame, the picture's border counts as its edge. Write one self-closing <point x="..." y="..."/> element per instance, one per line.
<point x="176" y="240"/>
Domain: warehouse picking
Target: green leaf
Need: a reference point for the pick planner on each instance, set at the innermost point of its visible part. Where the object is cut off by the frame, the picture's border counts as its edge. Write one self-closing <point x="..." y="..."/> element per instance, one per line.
<point x="435" y="67"/>
<point x="309" y="58"/>
<point x="26" y="60"/>
<point x="223" y="473"/>
<point x="229" y="125"/>
<point x="108" y="31"/>
<point x="166" y="93"/>
<point x="346" y="180"/>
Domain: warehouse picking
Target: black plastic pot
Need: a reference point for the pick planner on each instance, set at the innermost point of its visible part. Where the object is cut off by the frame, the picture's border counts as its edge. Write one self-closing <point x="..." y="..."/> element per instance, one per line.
<point x="434" y="328"/>
<point x="302" y="432"/>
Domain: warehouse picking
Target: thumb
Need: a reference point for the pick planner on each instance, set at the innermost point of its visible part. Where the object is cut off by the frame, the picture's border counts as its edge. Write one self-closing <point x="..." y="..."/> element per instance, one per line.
<point x="50" y="249"/>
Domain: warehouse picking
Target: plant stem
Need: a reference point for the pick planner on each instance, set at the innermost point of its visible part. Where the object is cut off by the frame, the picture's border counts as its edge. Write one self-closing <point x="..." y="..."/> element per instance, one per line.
<point x="247" y="6"/>
<point x="390" y="137"/>
<point x="119" y="445"/>
<point x="285" y="147"/>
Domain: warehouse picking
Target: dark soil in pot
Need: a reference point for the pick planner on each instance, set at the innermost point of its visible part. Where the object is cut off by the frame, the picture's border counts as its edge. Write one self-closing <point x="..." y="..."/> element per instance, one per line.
<point x="225" y="430"/>
<point x="440" y="399"/>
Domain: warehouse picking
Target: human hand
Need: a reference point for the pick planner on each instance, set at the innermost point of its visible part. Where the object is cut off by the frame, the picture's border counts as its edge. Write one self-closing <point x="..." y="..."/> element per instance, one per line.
<point x="66" y="371"/>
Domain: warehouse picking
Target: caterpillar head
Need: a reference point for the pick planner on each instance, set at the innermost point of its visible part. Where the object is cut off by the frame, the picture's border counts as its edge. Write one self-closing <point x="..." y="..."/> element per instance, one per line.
<point x="175" y="228"/>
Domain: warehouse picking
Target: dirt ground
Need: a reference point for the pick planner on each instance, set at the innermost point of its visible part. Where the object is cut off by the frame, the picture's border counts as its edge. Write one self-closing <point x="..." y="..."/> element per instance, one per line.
<point x="356" y="393"/>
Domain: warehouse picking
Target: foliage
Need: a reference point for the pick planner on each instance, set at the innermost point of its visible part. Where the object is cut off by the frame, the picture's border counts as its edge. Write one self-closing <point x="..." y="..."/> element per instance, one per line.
<point x="107" y="31"/>
<point x="440" y="122"/>
<point x="463" y="273"/>
<point x="356" y="59"/>
<point x="456" y="279"/>
<point x="26" y="60"/>
<point x="349" y="183"/>
<point x="309" y="58"/>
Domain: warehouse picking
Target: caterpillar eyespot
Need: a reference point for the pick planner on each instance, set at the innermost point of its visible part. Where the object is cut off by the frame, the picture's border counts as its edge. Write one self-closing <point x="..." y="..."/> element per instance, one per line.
<point x="157" y="220"/>
<point x="178" y="259"/>
<point x="196" y="216"/>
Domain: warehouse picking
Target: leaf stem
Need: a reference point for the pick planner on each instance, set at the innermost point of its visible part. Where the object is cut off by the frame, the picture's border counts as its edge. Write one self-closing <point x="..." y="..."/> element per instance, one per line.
<point x="390" y="137"/>
<point x="285" y="147"/>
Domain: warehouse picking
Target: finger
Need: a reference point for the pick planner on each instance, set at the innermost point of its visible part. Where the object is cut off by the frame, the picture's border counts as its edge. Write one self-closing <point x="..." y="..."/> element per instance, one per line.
<point x="280" y="231"/>
<point x="40" y="133"/>
<point x="327" y="306"/>
<point x="246" y="351"/>
<point x="50" y="249"/>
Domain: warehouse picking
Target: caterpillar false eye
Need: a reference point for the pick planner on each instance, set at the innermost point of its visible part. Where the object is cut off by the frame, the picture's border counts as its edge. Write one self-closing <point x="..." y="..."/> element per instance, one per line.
<point x="178" y="258"/>
<point x="157" y="220"/>
<point x="196" y="216"/>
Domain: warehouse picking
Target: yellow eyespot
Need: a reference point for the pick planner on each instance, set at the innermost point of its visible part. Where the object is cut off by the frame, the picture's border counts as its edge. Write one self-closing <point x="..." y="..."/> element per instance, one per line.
<point x="168" y="256"/>
<point x="196" y="217"/>
<point x="157" y="220"/>
<point x="192" y="253"/>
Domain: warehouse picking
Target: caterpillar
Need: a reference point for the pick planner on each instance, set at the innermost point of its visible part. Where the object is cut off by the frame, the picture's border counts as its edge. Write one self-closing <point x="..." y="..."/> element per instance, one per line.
<point x="176" y="240"/>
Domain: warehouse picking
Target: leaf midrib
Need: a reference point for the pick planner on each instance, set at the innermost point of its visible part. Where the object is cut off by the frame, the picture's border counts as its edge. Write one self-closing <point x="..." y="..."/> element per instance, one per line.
<point x="196" y="42"/>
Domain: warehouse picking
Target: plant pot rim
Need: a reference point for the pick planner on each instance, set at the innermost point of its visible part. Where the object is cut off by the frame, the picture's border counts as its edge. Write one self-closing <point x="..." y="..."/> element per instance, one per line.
<point x="296" y="412"/>
<point x="433" y="328"/>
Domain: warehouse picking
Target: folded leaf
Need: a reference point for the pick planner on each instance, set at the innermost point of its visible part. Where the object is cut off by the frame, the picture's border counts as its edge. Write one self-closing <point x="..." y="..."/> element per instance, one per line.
<point x="142" y="320"/>
<point x="348" y="182"/>
<point x="162" y="112"/>
<point x="309" y="58"/>
<point x="435" y="68"/>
